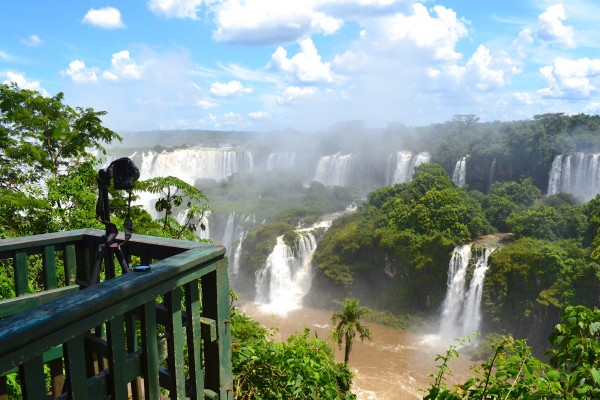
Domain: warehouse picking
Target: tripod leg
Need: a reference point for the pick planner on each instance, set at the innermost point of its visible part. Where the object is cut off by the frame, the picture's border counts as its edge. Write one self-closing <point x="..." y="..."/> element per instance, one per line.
<point x="122" y="261"/>
<point x="95" y="276"/>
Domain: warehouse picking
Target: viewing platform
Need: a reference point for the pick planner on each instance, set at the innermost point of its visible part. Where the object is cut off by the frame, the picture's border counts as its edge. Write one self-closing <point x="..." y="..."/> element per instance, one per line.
<point x="158" y="334"/>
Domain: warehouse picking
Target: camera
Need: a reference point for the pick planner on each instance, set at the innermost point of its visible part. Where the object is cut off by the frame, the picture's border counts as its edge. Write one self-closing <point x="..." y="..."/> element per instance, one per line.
<point x="124" y="173"/>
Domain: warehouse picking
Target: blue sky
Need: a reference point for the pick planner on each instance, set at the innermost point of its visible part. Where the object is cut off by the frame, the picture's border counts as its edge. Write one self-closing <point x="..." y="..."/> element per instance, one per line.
<point x="307" y="64"/>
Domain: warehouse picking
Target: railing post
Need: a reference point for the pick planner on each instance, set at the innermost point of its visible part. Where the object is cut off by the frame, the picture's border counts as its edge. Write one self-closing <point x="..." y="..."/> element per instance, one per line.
<point x="215" y="285"/>
<point x="21" y="273"/>
<point x="175" y="344"/>
<point x="193" y="330"/>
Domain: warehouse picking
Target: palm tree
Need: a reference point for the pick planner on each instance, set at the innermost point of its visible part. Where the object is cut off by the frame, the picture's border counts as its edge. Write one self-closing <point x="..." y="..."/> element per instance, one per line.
<point x="347" y="324"/>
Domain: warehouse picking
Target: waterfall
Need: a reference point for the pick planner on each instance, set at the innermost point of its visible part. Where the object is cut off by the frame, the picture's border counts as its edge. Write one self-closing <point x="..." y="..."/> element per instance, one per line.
<point x="460" y="172"/>
<point x="281" y="160"/>
<point x="334" y="170"/>
<point x="196" y="163"/>
<point x="577" y="173"/>
<point x="235" y="262"/>
<point x="492" y="174"/>
<point x="461" y="309"/>
<point x="401" y="165"/>
<point x="287" y="276"/>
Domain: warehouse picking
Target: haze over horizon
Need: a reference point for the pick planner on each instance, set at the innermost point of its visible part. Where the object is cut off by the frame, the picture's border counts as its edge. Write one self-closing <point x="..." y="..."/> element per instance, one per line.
<point x="269" y="64"/>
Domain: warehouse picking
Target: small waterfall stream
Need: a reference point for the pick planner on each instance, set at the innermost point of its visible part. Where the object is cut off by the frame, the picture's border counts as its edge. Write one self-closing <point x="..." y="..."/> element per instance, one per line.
<point x="287" y="276"/>
<point x="460" y="172"/>
<point x="334" y="170"/>
<point x="401" y="165"/>
<point x="461" y="309"/>
<point x="577" y="173"/>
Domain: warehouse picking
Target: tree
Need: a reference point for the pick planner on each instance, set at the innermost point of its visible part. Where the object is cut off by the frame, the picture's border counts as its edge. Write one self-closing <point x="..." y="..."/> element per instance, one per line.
<point x="172" y="194"/>
<point x="47" y="160"/>
<point x="347" y="325"/>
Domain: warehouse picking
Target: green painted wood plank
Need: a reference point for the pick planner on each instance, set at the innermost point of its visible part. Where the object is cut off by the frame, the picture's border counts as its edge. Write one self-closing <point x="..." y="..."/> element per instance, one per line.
<point x="175" y="359"/>
<point x="21" y="275"/>
<point x="116" y="357"/>
<point x="49" y="264"/>
<point x="33" y="381"/>
<point x="28" y="301"/>
<point x="132" y="347"/>
<point x="75" y="368"/>
<point x="224" y="330"/>
<point x="70" y="261"/>
<point x="193" y="333"/>
<point x="150" y="350"/>
<point x="211" y="348"/>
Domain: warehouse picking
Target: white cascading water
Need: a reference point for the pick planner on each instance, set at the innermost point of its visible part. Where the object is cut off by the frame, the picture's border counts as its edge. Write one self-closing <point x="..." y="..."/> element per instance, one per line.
<point x="461" y="309"/>
<point x="401" y="165"/>
<point x="235" y="262"/>
<point x="492" y="174"/>
<point x="334" y="170"/>
<point x="578" y="174"/>
<point x="281" y="160"/>
<point x="196" y="163"/>
<point x="460" y="172"/>
<point x="287" y="276"/>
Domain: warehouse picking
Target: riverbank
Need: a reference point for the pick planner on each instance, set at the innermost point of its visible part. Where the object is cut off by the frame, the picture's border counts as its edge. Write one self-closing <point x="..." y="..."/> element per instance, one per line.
<point x="395" y="365"/>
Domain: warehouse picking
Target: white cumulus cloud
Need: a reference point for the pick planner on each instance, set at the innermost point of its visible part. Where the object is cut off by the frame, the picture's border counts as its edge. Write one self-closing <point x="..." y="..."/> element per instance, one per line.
<point x="80" y="73"/>
<point x="484" y="71"/>
<point x="232" y="88"/>
<point x="304" y="67"/>
<point x="23" y="82"/>
<point x="124" y="66"/>
<point x="206" y="104"/>
<point x="552" y="29"/>
<point x="295" y="94"/>
<point x="573" y="79"/>
<point x="107" y="18"/>
<point x="259" y="115"/>
<point x="523" y="97"/>
<point x="32" y="41"/>
<point x="175" y="8"/>
<point x="270" y="21"/>
<point x="438" y="31"/>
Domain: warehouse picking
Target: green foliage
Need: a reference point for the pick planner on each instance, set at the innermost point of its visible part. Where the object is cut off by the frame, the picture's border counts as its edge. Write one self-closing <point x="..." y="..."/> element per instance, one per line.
<point x="299" y="368"/>
<point x="576" y="356"/>
<point x="173" y="194"/>
<point x="513" y="372"/>
<point x="531" y="281"/>
<point x="46" y="162"/>
<point x="347" y="321"/>
<point x="402" y="236"/>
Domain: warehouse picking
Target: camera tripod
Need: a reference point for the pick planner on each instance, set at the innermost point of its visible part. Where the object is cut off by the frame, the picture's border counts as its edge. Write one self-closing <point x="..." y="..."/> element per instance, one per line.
<point x="110" y="247"/>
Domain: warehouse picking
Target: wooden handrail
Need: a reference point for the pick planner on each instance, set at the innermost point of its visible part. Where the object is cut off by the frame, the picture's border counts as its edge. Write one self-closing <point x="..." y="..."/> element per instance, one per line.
<point x="68" y="321"/>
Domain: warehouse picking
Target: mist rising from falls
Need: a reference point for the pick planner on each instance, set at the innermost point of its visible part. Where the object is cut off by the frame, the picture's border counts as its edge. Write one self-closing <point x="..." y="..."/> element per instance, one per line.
<point x="578" y="174"/>
<point x="461" y="309"/>
<point x="287" y="276"/>
<point x="196" y="163"/>
<point x="460" y="172"/>
<point x="401" y="165"/>
<point x="334" y="170"/>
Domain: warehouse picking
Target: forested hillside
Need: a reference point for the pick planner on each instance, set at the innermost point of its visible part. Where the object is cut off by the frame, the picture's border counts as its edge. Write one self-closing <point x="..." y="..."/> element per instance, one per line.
<point x="394" y="252"/>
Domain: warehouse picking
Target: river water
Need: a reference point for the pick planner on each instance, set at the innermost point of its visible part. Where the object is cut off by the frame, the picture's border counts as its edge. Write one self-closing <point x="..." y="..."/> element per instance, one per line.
<point x="394" y="365"/>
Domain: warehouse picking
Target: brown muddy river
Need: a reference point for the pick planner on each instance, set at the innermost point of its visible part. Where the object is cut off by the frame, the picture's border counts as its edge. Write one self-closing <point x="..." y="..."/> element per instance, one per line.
<point x="394" y="365"/>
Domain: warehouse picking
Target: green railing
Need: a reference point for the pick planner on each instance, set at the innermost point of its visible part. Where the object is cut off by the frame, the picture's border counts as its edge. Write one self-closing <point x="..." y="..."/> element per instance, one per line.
<point x="145" y="335"/>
